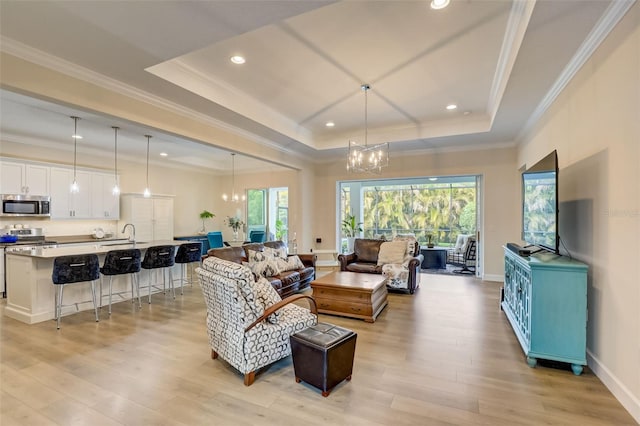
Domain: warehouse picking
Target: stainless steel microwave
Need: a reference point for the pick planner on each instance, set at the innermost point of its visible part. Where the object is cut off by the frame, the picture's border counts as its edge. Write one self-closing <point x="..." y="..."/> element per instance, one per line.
<point x="25" y="205"/>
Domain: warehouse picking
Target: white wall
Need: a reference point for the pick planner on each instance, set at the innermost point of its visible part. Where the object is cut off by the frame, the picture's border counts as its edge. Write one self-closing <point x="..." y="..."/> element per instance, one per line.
<point x="501" y="189"/>
<point x="595" y="127"/>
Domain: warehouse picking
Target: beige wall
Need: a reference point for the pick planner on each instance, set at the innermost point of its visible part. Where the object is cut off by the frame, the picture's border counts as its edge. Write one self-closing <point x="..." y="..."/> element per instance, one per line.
<point x="500" y="195"/>
<point x="595" y="127"/>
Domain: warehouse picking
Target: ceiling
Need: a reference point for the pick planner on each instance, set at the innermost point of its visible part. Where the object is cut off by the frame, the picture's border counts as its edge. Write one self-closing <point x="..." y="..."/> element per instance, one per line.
<point x="498" y="61"/>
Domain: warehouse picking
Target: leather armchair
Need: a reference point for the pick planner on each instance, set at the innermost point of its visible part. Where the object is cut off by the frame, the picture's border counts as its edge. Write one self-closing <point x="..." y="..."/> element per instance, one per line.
<point x="365" y="259"/>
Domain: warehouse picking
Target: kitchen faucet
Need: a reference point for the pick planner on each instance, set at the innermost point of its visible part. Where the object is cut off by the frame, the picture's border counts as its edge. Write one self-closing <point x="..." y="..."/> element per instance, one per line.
<point x="133" y="233"/>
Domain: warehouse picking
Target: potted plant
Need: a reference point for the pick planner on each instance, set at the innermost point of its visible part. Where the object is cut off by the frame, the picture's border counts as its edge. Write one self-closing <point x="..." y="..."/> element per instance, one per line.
<point x="350" y="228"/>
<point x="205" y="214"/>
<point x="281" y="230"/>
<point x="235" y="223"/>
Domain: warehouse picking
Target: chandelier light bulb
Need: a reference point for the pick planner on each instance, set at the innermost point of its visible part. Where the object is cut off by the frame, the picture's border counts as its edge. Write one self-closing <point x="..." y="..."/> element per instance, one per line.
<point x="75" y="188"/>
<point x="115" y="190"/>
<point x="147" y="193"/>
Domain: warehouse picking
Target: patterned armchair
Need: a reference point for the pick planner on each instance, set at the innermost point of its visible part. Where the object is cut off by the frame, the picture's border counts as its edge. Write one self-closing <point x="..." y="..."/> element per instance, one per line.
<point x="248" y="324"/>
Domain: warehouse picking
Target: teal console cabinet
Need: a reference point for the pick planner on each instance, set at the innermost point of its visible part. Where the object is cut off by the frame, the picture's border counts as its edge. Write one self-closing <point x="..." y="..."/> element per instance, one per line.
<point x="545" y="300"/>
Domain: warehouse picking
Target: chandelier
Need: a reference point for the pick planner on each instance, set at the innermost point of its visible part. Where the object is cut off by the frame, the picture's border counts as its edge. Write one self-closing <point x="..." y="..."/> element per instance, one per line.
<point x="234" y="197"/>
<point x="367" y="158"/>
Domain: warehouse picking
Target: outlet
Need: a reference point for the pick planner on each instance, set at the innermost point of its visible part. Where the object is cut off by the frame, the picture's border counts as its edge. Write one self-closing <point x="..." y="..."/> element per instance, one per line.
<point x="318" y="240"/>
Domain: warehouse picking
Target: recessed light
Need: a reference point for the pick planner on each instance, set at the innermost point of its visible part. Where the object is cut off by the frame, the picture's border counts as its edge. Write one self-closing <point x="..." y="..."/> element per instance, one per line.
<point x="452" y="107"/>
<point x="439" y="4"/>
<point x="163" y="154"/>
<point x="467" y="112"/>
<point x="433" y="179"/>
<point x="330" y="124"/>
<point x="76" y="136"/>
<point x="238" y="60"/>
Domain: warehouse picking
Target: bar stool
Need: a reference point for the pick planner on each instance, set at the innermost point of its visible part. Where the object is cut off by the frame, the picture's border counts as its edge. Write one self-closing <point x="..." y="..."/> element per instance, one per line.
<point x="121" y="262"/>
<point x="75" y="269"/>
<point x="188" y="253"/>
<point x="160" y="257"/>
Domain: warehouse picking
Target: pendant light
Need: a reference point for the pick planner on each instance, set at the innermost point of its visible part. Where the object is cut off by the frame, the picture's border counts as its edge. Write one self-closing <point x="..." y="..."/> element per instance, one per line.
<point x="147" y="192"/>
<point x="116" y="189"/>
<point x="367" y="158"/>
<point x="74" y="185"/>
<point x="234" y="197"/>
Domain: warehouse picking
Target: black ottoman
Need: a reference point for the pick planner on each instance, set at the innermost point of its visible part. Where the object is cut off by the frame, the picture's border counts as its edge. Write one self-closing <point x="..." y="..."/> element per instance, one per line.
<point x="323" y="355"/>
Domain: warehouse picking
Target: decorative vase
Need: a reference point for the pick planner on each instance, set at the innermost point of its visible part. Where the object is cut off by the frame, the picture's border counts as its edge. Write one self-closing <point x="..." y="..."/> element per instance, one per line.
<point x="235" y="235"/>
<point x="430" y="245"/>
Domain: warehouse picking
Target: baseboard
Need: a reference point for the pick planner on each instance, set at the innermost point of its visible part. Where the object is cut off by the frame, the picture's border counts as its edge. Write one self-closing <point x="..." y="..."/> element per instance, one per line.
<point x="493" y="277"/>
<point x="619" y="390"/>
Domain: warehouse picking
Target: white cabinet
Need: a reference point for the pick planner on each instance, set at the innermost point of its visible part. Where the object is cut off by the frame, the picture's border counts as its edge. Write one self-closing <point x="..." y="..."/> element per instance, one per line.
<point x="23" y="178"/>
<point x="104" y="204"/>
<point x="152" y="217"/>
<point x="67" y="205"/>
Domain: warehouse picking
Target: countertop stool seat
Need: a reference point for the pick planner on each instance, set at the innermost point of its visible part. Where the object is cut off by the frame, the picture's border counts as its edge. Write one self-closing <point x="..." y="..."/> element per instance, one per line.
<point x="188" y="253"/>
<point x="160" y="257"/>
<point x="75" y="269"/>
<point x="122" y="262"/>
<point x="323" y="355"/>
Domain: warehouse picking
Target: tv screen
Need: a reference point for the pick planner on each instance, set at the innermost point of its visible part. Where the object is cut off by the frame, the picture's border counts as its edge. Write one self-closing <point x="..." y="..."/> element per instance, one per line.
<point x="540" y="204"/>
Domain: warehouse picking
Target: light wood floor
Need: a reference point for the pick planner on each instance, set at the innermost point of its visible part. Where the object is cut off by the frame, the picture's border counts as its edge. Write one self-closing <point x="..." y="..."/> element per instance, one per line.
<point x="443" y="356"/>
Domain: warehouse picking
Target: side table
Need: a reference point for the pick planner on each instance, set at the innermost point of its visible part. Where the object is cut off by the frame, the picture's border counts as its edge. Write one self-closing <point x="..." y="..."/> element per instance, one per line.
<point x="434" y="258"/>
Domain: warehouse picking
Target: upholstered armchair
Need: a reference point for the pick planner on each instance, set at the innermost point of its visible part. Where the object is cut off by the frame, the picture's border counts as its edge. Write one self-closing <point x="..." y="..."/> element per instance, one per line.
<point x="248" y="324"/>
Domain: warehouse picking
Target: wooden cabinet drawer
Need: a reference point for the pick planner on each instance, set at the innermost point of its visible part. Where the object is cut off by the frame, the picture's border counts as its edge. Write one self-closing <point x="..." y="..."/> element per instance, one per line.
<point x="341" y="294"/>
<point x="336" y="305"/>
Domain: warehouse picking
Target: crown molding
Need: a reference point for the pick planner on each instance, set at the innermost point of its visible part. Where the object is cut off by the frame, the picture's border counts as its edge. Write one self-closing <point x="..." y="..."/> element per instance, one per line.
<point x="519" y="17"/>
<point x="614" y="13"/>
<point x="44" y="59"/>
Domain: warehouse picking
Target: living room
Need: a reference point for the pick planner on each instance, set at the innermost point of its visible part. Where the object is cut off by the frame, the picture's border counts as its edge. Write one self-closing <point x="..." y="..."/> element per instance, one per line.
<point x="592" y="123"/>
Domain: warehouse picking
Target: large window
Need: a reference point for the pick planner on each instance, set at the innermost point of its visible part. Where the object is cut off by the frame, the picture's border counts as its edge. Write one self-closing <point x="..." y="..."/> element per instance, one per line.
<point x="441" y="207"/>
<point x="268" y="210"/>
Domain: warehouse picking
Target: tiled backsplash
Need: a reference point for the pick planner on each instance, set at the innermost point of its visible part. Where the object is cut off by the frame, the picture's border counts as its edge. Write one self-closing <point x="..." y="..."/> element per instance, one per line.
<point x="63" y="227"/>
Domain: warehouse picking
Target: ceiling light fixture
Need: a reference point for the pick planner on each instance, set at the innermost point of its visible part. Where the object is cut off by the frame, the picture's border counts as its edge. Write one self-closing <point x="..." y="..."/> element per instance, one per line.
<point x="74" y="185"/>
<point x="116" y="188"/>
<point x="451" y="107"/>
<point x="237" y="59"/>
<point x="147" y="192"/>
<point x="164" y="154"/>
<point x="330" y="124"/>
<point x="234" y="197"/>
<point x="365" y="158"/>
<point x="439" y="4"/>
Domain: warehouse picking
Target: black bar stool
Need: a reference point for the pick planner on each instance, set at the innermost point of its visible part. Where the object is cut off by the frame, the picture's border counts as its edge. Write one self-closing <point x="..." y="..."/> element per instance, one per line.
<point x="188" y="253"/>
<point x="160" y="257"/>
<point x="121" y="262"/>
<point x="75" y="269"/>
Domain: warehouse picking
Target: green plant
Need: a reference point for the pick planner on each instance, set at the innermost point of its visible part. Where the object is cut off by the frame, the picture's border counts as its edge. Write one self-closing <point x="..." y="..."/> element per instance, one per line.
<point x="205" y="214"/>
<point x="234" y="223"/>
<point x="349" y="226"/>
<point x="281" y="230"/>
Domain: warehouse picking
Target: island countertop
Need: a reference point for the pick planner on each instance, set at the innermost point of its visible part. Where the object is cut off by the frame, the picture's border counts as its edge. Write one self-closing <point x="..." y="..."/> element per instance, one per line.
<point x="99" y="247"/>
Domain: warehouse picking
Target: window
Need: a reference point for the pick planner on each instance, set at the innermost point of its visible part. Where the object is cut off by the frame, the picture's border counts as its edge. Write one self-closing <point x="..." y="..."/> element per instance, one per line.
<point x="268" y="210"/>
<point x="442" y="207"/>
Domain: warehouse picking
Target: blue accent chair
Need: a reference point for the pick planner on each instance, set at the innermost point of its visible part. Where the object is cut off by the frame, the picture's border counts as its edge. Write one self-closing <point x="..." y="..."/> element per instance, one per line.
<point x="256" y="236"/>
<point x="215" y="239"/>
<point x="75" y="269"/>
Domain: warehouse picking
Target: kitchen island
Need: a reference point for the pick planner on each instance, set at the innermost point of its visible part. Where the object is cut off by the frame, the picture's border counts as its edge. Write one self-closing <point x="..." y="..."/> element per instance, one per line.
<point x="30" y="291"/>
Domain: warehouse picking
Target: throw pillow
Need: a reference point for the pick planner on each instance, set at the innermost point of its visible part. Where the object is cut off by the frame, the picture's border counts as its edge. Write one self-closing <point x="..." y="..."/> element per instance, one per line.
<point x="392" y="252"/>
<point x="264" y="268"/>
<point x="267" y="296"/>
<point x="258" y="256"/>
<point x="280" y="252"/>
<point x="290" y="264"/>
<point x="411" y="242"/>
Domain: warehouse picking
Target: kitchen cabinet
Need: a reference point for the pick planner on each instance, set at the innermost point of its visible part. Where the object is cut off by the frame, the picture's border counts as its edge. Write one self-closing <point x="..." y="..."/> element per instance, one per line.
<point x="64" y="203"/>
<point x="104" y="204"/>
<point x="152" y="217"/>
<point x="23" y="178"/>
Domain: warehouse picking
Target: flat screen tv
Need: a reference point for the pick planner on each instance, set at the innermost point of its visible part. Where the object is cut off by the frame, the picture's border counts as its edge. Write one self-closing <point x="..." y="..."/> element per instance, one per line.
<point x="540" y="204"/>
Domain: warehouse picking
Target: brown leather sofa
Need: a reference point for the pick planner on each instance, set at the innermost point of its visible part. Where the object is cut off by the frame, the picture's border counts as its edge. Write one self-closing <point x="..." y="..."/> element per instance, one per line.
<point x="285" y="283"/>
<point x="365" y="259"/>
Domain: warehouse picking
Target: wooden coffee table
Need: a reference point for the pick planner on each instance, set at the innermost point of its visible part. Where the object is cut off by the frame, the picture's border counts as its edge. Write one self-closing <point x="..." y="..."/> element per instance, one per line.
<point x="351" y="294"/>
